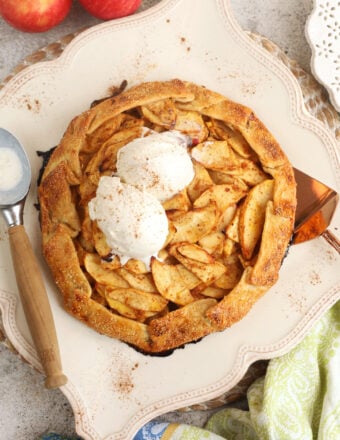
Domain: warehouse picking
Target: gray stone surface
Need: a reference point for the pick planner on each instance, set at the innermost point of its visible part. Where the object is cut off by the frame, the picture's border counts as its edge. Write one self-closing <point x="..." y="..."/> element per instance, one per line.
<point x="27" y="410"/>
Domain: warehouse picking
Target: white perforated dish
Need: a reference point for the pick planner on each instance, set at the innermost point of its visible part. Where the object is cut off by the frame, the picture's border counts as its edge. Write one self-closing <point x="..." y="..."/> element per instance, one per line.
<point x="323" y="35"/>
<point x="113" y="389"/>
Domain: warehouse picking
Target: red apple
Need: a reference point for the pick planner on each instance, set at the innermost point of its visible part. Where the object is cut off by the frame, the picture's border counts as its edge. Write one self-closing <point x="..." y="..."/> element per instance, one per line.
<point x="34" y="15"/>
<point x="108" y="9"/>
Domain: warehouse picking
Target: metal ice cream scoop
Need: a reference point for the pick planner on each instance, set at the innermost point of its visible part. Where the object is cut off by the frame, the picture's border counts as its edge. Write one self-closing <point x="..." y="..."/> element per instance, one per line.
<point x="15" y="179"/>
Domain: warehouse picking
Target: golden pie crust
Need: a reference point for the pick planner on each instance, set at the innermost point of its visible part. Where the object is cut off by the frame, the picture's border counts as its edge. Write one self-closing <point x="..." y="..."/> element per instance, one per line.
<point x="228" y="230"/>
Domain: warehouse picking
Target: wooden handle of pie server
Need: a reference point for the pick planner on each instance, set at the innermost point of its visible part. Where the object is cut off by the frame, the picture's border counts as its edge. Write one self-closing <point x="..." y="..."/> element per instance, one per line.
<point x="36" y="306"/>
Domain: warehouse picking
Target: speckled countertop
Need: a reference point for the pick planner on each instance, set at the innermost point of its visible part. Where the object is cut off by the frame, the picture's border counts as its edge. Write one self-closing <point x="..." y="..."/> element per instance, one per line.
<point x="27" y="409"/>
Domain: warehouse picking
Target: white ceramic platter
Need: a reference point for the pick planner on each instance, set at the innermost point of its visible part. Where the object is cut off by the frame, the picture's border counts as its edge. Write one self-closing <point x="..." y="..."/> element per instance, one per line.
<point x="323" y="35"/>
<point x="113" y="389"/>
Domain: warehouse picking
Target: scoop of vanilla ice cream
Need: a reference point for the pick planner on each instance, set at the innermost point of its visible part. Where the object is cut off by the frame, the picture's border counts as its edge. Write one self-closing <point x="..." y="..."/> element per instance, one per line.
<point x="134" y="222"/>
<point x="158" y="163"/>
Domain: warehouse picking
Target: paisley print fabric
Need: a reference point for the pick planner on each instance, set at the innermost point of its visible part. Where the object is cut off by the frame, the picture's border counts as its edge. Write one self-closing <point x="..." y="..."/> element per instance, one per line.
<point x="151" y="431"/>
<point x="173" y="431"/>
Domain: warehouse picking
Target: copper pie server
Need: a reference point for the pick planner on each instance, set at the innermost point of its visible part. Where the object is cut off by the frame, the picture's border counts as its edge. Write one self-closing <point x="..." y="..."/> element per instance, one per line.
<point x="316" y="204"/>
<point x="28" y="276"/>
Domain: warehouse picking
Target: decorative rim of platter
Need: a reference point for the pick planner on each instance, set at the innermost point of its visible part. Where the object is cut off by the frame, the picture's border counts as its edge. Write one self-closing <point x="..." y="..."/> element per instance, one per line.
<point x="251" y="75"/>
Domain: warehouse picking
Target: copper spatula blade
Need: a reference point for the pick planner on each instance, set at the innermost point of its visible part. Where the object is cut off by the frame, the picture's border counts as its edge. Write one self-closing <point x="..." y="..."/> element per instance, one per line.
<point x="316" y="204"/>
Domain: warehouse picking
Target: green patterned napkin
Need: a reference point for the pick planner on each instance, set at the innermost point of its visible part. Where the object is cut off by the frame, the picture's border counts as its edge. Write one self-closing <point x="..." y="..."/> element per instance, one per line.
<point x="299" y="398"/>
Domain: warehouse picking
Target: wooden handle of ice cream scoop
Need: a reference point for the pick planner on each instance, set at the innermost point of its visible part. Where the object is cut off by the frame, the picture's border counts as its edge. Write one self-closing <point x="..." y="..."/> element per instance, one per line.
<point x="36" y="306"/>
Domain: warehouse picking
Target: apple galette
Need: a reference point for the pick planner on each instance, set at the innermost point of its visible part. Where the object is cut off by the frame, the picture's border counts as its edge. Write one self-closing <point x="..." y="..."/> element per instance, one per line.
<point x="166" y="212"/>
